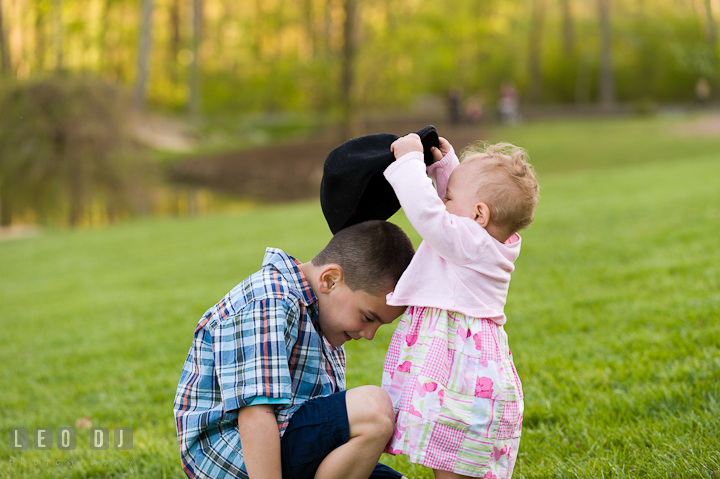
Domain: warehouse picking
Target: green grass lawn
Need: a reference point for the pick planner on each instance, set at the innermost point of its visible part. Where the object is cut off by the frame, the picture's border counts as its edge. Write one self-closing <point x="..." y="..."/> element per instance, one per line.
<point x="614" y="314"/>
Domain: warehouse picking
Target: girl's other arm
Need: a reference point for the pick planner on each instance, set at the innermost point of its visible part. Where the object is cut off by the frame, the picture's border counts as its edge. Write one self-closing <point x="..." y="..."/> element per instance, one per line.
<point x="445" y="162"/>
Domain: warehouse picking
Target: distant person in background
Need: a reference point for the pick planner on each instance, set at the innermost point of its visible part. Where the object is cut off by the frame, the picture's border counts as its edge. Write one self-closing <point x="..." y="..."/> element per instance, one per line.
<point x="454" y="100"/>
<point x="509" y="103"/>
<point x="474" y="110"/>
<point x="702" y="91"/>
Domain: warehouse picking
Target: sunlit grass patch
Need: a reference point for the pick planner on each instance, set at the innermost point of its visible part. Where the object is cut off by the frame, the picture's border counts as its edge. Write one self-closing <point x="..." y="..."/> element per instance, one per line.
<point x="571" y="145"/>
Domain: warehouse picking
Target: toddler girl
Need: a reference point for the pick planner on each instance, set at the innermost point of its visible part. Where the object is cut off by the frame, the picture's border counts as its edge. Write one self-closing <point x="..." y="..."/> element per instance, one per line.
<point x="449" y="371"/>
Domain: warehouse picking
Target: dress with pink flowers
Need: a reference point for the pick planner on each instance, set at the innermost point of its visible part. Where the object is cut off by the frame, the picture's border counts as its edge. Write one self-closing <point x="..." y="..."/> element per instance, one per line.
<point x="456" y="393"/>
<point x="449" y="371"/>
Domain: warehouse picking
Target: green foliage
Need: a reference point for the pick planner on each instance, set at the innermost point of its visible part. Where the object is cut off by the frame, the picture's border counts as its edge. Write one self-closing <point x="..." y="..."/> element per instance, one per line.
<point x="64" y="144"/>
<point x="258" y="56"/>
<point x="613" y="314"/>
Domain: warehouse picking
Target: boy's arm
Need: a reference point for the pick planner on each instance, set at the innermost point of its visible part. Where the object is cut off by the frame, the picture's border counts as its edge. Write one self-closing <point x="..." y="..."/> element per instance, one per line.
<point x="260" y="441"/>
<point x="250" y="352"/>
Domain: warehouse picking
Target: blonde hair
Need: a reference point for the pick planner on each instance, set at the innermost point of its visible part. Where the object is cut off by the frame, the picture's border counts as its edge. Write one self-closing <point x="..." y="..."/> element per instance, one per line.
<point x="506" y="183"/>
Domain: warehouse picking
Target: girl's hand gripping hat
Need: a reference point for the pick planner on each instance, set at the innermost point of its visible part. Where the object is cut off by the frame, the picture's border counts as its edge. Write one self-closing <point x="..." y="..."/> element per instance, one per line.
<point x="353" y="187"/>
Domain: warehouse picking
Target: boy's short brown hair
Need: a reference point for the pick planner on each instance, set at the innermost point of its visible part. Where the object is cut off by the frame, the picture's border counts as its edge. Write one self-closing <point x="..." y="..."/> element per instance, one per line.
<point x="506" y="183"/>
<point x="373" y="255"/>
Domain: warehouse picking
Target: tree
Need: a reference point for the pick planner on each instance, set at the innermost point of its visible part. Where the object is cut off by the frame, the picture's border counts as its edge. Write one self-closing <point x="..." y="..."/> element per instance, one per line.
<point x="40" y="19"/>
<point x="143" y="56"/>
<point x="352" y="126"/>
<point x="71" y="150"/>
<point x="711" y="32"/>
<point x="535" y="51"/>
<point x="174" y="43"/>
<point x="309" y="24"/>
<point x="4" y="50"/>
<point x="58" y="34"/>
<point x="5" y="208"/>
<point x="194" y="100"/>
<point x="568" y="28"/>
<point x="711" y="38"/>
<point x="607" y="73"/>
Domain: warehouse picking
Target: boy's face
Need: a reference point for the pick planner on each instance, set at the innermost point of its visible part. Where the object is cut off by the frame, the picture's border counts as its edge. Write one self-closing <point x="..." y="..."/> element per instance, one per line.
<point x="346" y="314"/>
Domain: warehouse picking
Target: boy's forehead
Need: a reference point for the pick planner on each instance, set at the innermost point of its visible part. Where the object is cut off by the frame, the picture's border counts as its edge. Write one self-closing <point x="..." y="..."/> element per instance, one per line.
<point x="375" y="305"/>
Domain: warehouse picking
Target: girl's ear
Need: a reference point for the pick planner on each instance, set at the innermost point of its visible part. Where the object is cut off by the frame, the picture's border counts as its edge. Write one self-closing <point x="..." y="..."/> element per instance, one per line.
<point x="482" y="214"/>
<point x="330" y="276"/>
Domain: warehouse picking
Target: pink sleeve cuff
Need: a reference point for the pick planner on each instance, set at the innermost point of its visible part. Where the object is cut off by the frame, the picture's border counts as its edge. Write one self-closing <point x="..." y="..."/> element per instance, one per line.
<point x="445" y="162"/>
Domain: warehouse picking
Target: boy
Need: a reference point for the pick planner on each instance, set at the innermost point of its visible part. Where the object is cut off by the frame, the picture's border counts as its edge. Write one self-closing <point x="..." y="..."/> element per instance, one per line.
<point x="269" y="356"/>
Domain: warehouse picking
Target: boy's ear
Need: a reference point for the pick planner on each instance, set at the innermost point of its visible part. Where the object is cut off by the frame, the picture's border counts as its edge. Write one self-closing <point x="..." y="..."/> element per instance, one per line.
<point x="330" y="275"/>
<point x="482" y="214"/>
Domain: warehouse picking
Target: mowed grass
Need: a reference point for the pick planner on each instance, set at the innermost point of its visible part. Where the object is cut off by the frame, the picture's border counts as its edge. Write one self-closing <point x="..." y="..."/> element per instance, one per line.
<point x="614" y="315"/>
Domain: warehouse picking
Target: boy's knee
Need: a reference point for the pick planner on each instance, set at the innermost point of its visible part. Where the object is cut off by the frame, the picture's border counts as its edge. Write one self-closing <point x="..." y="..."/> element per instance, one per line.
<point x="370" y="407"/>
<point x="379" y="401"/>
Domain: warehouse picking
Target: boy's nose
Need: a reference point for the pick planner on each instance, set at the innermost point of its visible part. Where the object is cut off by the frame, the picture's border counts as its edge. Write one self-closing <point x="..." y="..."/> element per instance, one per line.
<point x="369" y="332"/>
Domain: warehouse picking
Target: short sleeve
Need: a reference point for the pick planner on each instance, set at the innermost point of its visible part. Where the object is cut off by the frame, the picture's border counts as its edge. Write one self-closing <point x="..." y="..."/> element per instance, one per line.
<point x="259" y="400"/>
<point x="251" y="355"/>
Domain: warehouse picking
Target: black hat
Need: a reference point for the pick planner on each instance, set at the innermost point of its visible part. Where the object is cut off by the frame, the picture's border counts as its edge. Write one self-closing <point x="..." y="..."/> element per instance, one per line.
<point x="353" y="187"/>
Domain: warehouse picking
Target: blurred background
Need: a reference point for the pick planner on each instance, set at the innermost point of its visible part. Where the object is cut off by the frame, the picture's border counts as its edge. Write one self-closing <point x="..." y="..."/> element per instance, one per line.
<point x="150" y="150"/>
<point x="111" y="108"/>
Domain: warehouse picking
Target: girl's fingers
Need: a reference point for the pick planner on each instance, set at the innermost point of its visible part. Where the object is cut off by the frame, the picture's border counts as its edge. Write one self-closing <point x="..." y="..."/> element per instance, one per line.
<point x="436" y="153"/>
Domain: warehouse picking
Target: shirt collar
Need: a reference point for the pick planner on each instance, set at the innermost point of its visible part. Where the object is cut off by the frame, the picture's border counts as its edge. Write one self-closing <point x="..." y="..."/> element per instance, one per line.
<point x="288" y="267"/>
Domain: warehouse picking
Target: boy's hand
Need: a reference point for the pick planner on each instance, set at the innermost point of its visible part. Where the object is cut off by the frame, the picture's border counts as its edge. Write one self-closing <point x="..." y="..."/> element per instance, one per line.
<point x="445" y="148"/>
<point x="406" y="144"/>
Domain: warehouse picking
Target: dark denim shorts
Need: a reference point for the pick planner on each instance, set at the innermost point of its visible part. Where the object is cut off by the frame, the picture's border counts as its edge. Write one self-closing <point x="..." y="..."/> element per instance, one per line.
<point x="316" y="429"/>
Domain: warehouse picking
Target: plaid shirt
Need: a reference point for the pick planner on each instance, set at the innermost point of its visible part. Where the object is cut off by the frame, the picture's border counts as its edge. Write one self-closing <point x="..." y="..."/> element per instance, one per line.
<point x="261" y="339"/>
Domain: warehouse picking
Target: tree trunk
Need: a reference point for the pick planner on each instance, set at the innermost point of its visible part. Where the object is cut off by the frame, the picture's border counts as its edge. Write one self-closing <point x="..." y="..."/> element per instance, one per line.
<point x="309" y="23"/>
<point x="105" y="61"/>
<point x="221" y="28"/>
<point x="647" y="53"/>
<point x="4" y="50"/>
<point x="352" y="126"/>
<point x="174" y="40"/>
<point x="607" y="74"/>
<point x="568" y="28"/>
<point x="5" y="209"/>
<point x="143" y="57"/>
<point x="40" y="35"/>
<point x="76" y="193"/>
<point x="711" y="33"/>
<point x="711" y="37"/>
<point x="194" y="100"/>
<point x="535" y="52"/>
<point x="257" y="31"/>
<point x="327" y="27"/>
<point x="58" y="34"/>
<point x="583" y="78"/>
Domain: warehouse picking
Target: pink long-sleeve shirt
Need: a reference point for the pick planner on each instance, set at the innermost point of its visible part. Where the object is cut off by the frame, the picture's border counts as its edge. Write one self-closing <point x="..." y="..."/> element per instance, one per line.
<point x="458" y="266"/>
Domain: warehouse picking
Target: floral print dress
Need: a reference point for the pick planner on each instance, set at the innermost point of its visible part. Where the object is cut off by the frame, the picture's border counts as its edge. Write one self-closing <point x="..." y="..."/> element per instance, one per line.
<point x="457" y="396"/>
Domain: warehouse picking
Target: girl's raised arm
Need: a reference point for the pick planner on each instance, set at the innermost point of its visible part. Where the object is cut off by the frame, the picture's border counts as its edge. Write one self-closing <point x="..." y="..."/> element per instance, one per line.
<point x="455" y="238"/>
